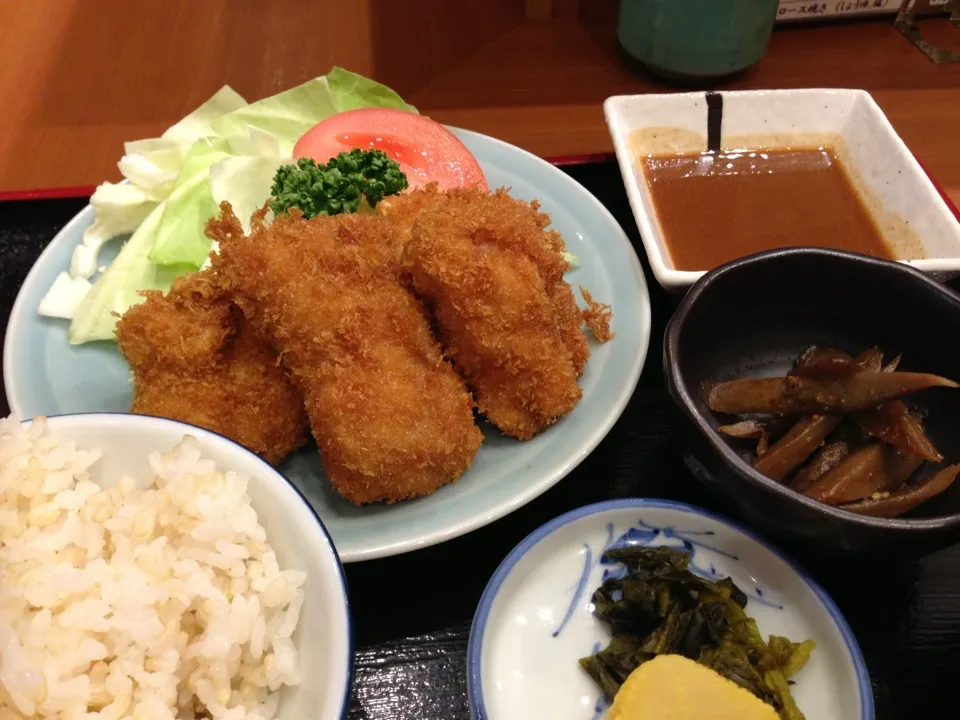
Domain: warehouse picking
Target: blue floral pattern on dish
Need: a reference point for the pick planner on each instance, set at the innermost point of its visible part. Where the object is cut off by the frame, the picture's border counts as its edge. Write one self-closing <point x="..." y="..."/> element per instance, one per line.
<point x="649" y="535"/>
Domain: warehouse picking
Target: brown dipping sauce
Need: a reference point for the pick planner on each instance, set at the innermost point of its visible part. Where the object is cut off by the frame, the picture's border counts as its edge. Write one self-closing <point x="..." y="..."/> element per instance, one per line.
<point x="714" y="208"/>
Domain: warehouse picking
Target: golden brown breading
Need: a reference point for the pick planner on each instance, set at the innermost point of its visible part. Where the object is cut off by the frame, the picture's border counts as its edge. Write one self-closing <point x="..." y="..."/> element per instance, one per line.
<point x="597" y="316"/>
<point x="392" y="418"/>
<point x="569" y="320"/>
<point x="195" y="359"/>
<point x="403" y="210"/>
<point x="493" y="276"/>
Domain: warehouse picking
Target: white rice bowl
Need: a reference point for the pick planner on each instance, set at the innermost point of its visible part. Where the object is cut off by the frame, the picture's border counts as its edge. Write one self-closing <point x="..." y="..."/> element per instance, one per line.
<point x="153" y="570"/>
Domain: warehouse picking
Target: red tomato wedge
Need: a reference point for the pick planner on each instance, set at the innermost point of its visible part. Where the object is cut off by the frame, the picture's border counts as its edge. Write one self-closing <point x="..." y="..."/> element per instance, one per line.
<point x="426" y="150"/>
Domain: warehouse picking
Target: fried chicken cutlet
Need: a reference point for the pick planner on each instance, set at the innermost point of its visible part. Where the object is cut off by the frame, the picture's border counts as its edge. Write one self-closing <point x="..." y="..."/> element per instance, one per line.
<point x="403" y="211"/>
<point x="195" y="358"/>
<point x="392" y="418"/>
<point x="493" y="276"/>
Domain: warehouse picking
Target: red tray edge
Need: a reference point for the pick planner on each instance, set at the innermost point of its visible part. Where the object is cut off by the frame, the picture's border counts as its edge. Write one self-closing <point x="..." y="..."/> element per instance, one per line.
<point x="59" y="193"/>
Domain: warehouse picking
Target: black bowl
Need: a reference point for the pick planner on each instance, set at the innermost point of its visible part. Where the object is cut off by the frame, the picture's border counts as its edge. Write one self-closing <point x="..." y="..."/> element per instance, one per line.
<point x="753" y="317"/>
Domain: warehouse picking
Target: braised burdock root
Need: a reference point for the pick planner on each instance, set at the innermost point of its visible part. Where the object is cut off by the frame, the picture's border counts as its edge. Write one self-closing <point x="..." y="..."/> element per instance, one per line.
<point x="793" y="395"/>
<point x="808" y="434"/>
<point x="860" y="442"/>
<point x="391" y="417"/>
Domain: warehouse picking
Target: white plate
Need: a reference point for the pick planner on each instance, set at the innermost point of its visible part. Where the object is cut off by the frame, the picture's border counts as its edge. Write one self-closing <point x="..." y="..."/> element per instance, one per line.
<point x="45" y="375"/>
<point x="535" y="618"/>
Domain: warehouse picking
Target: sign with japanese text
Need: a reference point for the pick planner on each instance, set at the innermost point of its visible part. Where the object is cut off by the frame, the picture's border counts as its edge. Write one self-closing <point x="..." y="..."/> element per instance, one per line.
<point x="810" y="10"/>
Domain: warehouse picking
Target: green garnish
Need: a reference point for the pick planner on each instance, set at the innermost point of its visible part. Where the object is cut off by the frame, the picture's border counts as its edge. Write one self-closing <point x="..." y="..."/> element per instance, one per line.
<point x="660" y="607"/>
<point x="338" y="186"/>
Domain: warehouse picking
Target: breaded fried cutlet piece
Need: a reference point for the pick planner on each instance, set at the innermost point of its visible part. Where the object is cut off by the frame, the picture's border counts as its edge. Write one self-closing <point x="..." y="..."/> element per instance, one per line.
<point x="569" y="319"/>
<point x="403" y="210"/>
<point x="493" y="277"/>
<point x="393" y="420"/>
<point x="194" y="358"/>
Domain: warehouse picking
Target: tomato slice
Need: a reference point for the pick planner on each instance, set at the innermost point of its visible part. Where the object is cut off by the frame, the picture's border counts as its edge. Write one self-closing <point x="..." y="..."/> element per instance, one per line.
<point x="426" y="150"/>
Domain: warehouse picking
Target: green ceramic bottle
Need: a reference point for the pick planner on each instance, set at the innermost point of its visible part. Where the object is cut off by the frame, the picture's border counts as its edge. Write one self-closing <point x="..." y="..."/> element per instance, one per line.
<point x="696" y="38"/>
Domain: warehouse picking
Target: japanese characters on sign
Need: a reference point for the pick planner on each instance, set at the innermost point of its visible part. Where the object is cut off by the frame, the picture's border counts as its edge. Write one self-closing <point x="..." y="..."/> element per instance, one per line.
<point x="806" y="9"/>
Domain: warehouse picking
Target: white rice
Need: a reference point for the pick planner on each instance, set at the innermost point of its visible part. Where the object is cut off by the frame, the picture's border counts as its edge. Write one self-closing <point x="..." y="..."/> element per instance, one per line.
<point x="145" y="604"/>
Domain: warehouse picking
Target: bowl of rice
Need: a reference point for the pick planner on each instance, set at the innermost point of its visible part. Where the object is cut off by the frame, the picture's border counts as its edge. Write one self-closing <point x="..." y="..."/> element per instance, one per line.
<point x="152" y="569"/>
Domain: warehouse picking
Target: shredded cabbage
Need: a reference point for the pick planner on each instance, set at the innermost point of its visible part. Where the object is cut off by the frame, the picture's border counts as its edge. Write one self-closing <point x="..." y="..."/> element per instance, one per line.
<point x="225" y="150"/>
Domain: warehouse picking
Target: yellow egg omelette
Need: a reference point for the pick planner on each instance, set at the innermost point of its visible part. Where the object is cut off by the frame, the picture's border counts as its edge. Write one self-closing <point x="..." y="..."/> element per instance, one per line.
<point x="672" y="687"/>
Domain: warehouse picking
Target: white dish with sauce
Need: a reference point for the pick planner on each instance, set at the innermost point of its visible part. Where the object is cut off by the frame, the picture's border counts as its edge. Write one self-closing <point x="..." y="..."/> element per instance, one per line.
<point x="915" y="221"/>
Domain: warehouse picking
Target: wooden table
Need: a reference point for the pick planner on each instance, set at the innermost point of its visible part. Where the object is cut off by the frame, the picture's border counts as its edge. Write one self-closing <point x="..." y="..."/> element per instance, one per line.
<point x="79" y="77"/>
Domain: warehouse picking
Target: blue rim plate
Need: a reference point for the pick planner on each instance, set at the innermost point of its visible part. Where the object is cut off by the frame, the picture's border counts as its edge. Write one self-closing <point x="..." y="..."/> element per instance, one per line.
<point x="535" y="620"/>
<point x="45" y="375"/>
<point x="221" y="448"/>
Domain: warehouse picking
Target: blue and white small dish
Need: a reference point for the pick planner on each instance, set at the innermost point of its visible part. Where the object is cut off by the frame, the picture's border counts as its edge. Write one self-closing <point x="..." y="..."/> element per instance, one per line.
<point x="535" y="617"/>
